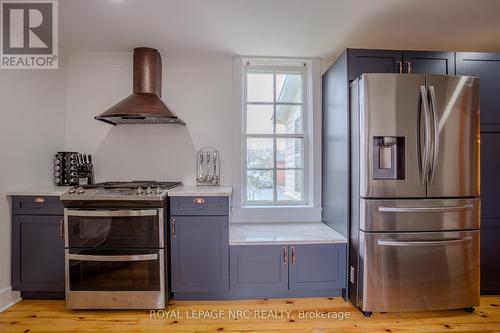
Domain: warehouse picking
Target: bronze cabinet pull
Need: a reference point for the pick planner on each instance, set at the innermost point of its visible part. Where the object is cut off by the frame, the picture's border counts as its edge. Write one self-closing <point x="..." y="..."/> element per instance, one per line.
<point x="199" y="201"/>
<point x="408" y="66"/>
<point x="293" y="255"/>
<point x="285" y="254"/>
<point x="400" y="64"/>
<point x="173" y="227"/>
<point x="61" y="228"/>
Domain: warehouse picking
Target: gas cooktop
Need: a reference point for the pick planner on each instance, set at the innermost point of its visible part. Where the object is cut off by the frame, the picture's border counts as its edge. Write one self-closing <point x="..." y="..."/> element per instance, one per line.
<point x="143" y="191"/>
<point x="134" y="185"/>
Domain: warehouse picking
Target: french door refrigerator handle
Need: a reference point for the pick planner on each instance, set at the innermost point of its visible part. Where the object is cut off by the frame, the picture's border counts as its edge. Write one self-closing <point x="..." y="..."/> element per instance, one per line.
<point x="435" y="153"/>
<point x="384" y="242"/>
<point x="424" y="160"/>
<point x="424" y="209"/>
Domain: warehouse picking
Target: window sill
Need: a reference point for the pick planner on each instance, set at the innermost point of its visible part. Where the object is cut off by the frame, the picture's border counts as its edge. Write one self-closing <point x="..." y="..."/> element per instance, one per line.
<point x="299" y="213"/>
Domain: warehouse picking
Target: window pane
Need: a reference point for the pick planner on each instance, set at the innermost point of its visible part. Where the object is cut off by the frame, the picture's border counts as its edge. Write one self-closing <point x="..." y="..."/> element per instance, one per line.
<point x="290" y="153"/>
<point x="260" y="185"/>
<point x="259" y="119"/>
<point x="260" y="153"/>
<point x="289" y="119"/>
<point x="289" y="88"/>
<point x="290" y="185"/>
<point x="260" y="87"/>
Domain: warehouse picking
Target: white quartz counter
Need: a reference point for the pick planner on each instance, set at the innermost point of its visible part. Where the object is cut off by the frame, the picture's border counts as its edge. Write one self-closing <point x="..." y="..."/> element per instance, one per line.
<point x="283" y="233"/>
<point x="202" y="191"/>
<point x="46" y="191"/>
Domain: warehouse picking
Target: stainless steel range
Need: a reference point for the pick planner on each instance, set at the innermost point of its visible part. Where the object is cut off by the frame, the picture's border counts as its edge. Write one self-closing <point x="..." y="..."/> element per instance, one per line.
<point x="115" y="245"/>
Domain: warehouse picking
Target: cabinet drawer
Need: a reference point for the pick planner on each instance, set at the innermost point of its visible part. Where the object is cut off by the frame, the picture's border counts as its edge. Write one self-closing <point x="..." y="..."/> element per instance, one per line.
<point x="37" y="205"/>
<point x="199" y="206"/>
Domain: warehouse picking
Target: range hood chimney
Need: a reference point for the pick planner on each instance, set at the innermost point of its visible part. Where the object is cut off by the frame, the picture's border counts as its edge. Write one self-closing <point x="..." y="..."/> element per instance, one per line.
<point x="145" y="105"/>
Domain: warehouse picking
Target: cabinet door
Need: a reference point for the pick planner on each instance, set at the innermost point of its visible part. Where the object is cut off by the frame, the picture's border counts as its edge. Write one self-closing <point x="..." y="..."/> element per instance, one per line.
<point x="372" y="61"/>
<point x="317" y="267"/>
<point x="37" y="253"/>
<point x="490" y="175"/>
<point x="486" y="66"/>
<point x="429" y="62"/>
<point x="199" y="253"/>
<point x="259" y="268"/>
<point x="490" y="249"/>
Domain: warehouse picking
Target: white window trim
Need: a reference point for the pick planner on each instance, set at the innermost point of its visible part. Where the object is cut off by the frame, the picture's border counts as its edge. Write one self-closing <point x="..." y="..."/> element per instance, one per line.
<point x="310" y="210"/>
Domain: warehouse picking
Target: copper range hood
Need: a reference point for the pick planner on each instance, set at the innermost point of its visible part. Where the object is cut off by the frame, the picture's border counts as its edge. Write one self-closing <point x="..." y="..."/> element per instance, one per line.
<point x="145" y="105"/>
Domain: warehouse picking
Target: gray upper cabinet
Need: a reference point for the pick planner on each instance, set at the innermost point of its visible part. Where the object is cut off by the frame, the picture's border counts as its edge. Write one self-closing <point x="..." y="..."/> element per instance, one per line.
<point x="199" y="253"/>
<point x="396" y="61"/>
<point x="259" y="268"/>
<point x="317" y="267"/>
<point x="486" y="66"/>
<point x="429" y="62"/>
<point x="37" y="254"/>
<point x="373" y="61"/>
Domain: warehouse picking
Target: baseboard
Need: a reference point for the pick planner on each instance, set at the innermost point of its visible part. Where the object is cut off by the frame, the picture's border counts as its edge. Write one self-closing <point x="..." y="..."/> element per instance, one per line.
<point x="233" y="295"/>
<point x="8" y="298"/>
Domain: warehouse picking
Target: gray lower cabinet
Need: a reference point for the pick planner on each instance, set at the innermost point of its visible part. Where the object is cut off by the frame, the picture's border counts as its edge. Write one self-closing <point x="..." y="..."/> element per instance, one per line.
<point x="259" y="268"/>
<point x="37" y="247"/>
<point x="490" y="269"/>
<point x="317" y="267"/>
<point x="291" y="267"/>
<point x="199" y="253"/>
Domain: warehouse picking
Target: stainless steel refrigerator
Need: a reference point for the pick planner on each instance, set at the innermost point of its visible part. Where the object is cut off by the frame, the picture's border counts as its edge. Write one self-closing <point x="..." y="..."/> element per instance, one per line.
<point x="415" y="205"/>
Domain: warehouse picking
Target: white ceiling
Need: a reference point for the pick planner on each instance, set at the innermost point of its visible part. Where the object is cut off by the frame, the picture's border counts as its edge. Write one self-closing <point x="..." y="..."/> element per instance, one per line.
<point x="278" y="27"/>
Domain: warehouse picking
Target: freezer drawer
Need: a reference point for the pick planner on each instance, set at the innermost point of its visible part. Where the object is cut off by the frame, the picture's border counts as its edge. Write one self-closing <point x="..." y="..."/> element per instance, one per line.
<point x="419" y="215"/>
<point x="419" y="271"/>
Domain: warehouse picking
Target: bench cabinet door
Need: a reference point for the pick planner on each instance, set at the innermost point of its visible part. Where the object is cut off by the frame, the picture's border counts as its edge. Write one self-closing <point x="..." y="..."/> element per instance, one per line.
<point x="317" y="267"/>
<point x="258" y="268"/>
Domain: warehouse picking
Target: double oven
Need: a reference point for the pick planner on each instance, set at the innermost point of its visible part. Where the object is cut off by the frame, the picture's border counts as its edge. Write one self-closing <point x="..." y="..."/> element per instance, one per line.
<point x="115" y="258"/>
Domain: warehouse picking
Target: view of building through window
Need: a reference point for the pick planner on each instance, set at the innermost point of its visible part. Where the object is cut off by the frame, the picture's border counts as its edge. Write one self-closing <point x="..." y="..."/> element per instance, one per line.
<point x="274" y="137"/>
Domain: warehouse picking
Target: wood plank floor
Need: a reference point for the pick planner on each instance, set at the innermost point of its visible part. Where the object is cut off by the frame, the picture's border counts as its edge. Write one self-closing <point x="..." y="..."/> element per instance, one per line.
<point x="282" y="315"/>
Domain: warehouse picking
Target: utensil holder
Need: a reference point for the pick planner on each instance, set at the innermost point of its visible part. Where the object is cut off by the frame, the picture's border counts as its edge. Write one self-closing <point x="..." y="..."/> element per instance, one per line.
<point x="208" y="167"/>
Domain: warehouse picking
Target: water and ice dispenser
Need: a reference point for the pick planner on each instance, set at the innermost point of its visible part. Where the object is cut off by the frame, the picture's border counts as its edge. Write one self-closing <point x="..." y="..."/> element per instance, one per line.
<point x="389" y="157"/>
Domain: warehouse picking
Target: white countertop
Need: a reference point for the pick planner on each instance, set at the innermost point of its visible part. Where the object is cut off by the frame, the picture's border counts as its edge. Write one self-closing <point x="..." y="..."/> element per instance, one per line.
<point x="202" y="191"/>
<point x="283" y="233"/>
<point x="46" y="191"/>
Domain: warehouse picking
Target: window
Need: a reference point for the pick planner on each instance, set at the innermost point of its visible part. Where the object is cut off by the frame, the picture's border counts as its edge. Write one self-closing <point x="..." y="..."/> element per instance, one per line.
<point x="274" y="135"/>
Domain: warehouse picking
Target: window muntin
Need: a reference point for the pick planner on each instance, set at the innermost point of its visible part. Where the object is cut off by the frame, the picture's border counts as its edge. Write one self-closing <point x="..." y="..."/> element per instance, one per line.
<point x="274" y="169"/>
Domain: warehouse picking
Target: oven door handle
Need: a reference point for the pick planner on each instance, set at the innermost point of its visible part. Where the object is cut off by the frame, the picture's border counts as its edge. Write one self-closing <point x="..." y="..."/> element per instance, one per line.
<point x="85" y="257"/>
<point x="111" y="213"/>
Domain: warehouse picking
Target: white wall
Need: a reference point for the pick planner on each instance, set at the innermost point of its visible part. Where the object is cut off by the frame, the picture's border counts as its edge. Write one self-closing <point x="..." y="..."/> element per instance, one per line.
<point x="31" y="130"/>
<point x="199" y="90"/>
